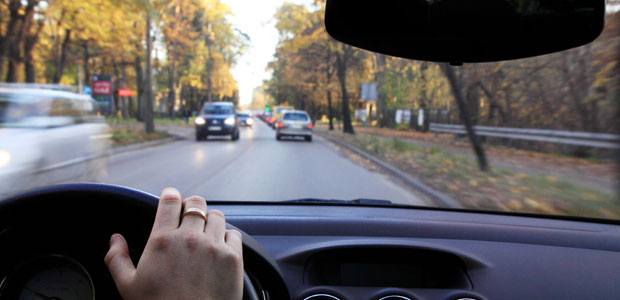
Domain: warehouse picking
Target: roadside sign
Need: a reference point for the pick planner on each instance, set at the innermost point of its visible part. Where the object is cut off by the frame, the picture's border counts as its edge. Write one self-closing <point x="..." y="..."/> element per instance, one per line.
<point x="267" y="108"/>
<point x="102" y="88"/>
<point x="87" y="90"/>
<point x="125" y="92"/>
<point x="421" y="117"/>
<point x="102" y="85"/>
<point x="102" y="92"/>
<point x="369" y="91"/>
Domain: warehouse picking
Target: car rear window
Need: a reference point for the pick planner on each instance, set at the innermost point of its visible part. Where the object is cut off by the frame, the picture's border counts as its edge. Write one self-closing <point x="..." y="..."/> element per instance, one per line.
<point x="295" y="117"/>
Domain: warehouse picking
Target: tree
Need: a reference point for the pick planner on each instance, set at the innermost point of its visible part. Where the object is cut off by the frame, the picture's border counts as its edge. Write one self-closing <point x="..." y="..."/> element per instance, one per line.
<point x="344" y="58"/>
<point x="466" y="117"/>
<point x="149" y="125"/>
<point x="202" y="47"/>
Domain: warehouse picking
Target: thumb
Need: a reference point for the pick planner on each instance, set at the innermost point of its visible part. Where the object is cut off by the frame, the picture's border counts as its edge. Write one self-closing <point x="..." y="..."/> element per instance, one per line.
<point x="118" y="261"/>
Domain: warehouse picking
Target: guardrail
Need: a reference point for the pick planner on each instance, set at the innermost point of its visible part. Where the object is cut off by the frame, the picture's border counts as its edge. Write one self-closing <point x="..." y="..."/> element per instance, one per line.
<point x="575" y="138"/>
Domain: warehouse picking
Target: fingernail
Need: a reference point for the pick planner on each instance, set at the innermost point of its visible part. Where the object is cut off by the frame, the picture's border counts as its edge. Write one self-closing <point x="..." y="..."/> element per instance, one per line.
<point x="170" y="190"/>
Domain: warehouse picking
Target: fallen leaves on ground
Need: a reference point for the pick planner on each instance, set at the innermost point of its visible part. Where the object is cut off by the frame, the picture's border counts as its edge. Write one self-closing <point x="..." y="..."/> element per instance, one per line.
<point x="500" y="189"/>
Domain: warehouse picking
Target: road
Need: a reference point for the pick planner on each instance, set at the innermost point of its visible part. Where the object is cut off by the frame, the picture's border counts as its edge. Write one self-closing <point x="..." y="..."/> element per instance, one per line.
<point x="256" y="168"/>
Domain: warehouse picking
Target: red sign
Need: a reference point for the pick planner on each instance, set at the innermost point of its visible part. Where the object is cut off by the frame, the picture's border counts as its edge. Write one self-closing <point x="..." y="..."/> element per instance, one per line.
<point x="102" y="88"/>
<point x="125" y="92"/>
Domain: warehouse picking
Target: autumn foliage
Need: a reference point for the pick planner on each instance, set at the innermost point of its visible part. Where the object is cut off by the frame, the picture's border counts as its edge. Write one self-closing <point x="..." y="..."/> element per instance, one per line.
<point x="67" y="41"/>
<point x="573" y="90"/>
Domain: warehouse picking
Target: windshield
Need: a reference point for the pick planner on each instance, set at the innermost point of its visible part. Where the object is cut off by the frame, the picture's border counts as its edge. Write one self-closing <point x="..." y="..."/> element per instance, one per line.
<point x="218" y="110"/>
<point x="367" y="127"/>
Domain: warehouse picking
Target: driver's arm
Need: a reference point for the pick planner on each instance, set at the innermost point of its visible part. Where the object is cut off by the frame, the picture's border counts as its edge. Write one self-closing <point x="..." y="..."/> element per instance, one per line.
<point x="186" y="256"/>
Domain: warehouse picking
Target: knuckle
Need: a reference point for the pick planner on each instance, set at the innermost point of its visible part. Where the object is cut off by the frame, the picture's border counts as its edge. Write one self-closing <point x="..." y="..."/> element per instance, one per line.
<point x="112" y="254"/>
<point x="214" y="248"/>
<point x="161" y="242"/>
<point x="231" y="257"/>
<point x="211" y="248"/>
<point x="216" y="214"/>
<point x="234" y="232"/>
<point x="192" y="240"/>
<point x="196" y="201"/>
<point x="109" y="257"/>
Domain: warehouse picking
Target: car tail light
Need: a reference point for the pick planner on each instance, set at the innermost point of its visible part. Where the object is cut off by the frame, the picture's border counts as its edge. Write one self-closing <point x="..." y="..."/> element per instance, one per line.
<point x="310" y="125"/>
<point x="279" y="125"/>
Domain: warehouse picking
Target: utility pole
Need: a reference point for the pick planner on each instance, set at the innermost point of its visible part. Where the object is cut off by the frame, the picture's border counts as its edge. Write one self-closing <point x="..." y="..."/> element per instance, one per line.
<point x="149" y="125"/>
<point x="210" y="40"/>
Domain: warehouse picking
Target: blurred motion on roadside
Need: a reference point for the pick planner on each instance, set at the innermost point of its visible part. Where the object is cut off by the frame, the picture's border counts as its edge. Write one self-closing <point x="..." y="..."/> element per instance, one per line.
<point x="48" y="135"/>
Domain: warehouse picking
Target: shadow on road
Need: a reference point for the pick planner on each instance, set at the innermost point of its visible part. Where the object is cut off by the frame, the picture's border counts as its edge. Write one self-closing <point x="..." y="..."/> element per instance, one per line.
<point x="216" y="139"/>
<point x="293" y="140"/>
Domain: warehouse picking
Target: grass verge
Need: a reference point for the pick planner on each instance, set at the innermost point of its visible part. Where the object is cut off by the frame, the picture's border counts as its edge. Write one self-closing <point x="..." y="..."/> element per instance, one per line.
<point x="174" y="122"/>
<point x="127" y="132"/>
<point x="501" y="189"/>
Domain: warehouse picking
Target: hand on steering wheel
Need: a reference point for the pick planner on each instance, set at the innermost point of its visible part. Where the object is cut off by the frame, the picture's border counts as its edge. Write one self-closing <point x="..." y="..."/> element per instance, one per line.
<point x="189" y="255"/>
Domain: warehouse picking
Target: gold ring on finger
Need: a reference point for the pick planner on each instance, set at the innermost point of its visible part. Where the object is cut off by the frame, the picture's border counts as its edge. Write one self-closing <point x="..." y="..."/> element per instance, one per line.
<point x="195" y="211"/>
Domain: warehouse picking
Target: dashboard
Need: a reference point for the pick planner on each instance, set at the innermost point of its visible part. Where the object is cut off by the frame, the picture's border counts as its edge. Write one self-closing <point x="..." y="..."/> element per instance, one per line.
<point x="52" y="242"/>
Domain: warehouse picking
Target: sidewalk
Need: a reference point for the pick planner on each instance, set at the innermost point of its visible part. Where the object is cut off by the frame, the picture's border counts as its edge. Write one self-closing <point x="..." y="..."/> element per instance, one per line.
<point x="181" y="132"/>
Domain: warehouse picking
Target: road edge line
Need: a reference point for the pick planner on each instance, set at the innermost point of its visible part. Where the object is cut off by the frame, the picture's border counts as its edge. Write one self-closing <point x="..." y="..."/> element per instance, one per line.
<point x="436" y="196"/>
<point x="140" y="146"/>
<point x="110" y="152"/>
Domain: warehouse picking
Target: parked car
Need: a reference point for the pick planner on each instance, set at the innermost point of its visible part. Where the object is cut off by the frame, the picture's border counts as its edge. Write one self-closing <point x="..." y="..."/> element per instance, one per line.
<point x="294" y="123"/>
<point x="217" y="119"/>
<point x="267" y="117"/>
<point x="245" y="119"/>
<point x="48" y="136"/>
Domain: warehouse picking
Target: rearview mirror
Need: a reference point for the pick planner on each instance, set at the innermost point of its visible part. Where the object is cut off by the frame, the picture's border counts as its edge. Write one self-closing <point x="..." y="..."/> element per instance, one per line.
<point x="462" y="31"/>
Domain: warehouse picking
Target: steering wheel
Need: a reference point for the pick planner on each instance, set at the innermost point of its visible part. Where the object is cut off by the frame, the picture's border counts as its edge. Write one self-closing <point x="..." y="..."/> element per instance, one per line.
<point x="77" y="221"/>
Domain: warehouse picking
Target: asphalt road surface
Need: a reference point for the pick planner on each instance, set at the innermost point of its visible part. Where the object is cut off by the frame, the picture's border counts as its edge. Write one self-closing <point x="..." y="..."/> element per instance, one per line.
<point x="255" y="168"/>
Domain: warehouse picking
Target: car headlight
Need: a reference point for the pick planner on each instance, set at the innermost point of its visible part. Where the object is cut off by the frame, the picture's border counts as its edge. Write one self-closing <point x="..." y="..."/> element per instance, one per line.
<point x="200" y="121"/>
<point x="249" y="121"/>
<point x="229" y="121"/>
<point x="5" y="158"/>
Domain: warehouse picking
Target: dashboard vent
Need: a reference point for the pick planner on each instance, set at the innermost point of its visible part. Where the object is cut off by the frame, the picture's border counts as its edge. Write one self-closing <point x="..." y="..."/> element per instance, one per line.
<point x="395" y="297"/>
<point x="321" y="296"/>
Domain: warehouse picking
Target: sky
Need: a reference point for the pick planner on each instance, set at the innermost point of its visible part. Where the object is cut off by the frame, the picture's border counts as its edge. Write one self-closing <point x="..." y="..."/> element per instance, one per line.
<point x="255" y="18"/>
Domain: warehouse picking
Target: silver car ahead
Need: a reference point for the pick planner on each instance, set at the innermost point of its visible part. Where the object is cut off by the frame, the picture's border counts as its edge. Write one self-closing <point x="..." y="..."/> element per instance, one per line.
<point x="294" y="123"/>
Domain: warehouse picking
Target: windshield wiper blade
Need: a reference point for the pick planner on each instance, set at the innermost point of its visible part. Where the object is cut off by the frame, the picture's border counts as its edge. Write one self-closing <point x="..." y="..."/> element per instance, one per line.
<point x="360" y="201"/>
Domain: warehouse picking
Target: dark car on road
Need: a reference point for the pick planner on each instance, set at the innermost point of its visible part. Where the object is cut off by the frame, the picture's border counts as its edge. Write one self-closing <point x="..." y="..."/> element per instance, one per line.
<point x="217" y="119"/>
<point x="245" y="119"/>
